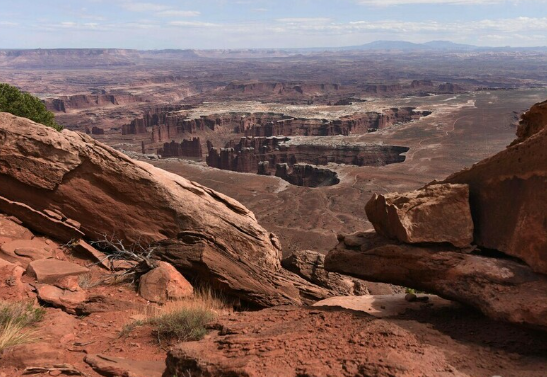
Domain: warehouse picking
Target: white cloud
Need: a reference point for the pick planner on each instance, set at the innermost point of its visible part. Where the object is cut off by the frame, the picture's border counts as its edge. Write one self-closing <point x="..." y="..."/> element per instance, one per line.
<point x="195" y="24"/>
<point x="302" y="20"/>
<point x="8" y="23"/>
<point x="143" y="7"/>
<point x="178" y="13"/>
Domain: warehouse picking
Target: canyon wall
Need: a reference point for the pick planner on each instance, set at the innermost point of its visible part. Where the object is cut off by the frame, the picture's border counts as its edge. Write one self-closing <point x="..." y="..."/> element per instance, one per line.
<point x="169" y="125"/>
<point x="262" y="155"/>
<point x="86" y="101"/>
<point x="187" y="148"/>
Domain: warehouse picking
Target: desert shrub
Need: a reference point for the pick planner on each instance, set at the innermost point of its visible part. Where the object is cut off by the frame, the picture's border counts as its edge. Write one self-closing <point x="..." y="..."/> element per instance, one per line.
<point x="20" y="313"/>
<point x="183" y="324"/>
<point x="15" y="318"/>
<point x="22" y="104"/>
<point x="183" y="320"/>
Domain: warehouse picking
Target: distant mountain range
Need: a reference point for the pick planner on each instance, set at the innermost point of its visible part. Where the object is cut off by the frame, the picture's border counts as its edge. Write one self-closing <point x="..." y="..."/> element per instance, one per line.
<point x="432" y="46"/>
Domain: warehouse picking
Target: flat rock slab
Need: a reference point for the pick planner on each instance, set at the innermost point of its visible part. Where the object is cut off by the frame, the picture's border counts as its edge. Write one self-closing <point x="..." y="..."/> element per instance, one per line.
<point x="26" y="250"/>
<point x="61" y="298"/>
<point x="44" y="354"/>
<point x="116" y="366"/>
<point x="10" y="229"/>
<point x="48" y="271"/>
<point x="383" y="305"/>
<point x="314" y="342"/>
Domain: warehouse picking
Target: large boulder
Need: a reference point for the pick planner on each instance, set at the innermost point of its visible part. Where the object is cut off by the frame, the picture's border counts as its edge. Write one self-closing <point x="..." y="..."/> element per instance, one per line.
<point x="164" y="283"/>
<point x="437" y="213"/>
<point x="502" y="289"/>
<point x="310" y="265"/>
<point x="212" y="236"/>
<point x="508" y="194"/>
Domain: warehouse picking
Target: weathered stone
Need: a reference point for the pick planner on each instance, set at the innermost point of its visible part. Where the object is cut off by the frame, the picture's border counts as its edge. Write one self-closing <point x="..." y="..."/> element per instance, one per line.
<point x="11" y="285"/>
<point x="50" y="270"/>
<point x="10" y="229"/>
<point x="117" y="366"/>
<point x="83" y="248"/>
<point x="37" y="220"/>
<point x="438" y="213"/>
<point x="27" y="355"/>
<point x="61" y="298"/>
<point x="502" y="289"/>
<point x="314" y="342"/>
<point x="310" y="265"/>
<point x="209" y="235"/>
<point x="164" y="283"/>
<point x="508" y="195"/>
<point x="24" y="251"/>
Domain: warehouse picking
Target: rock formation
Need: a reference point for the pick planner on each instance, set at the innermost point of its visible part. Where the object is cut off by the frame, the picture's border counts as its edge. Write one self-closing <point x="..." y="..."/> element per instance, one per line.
<point x="86" y="101"/>
<point x="311" y="266"/>
<point x="438" y="213"/>
<point x="187" y="148"/>
<point x="314" y="342"/>
<point x="203" y="233"/>
<point x="306" y="175"/>
<point x="507" y="196"/>
<point x="502" y="289"/>
<point x="269" y="155"/>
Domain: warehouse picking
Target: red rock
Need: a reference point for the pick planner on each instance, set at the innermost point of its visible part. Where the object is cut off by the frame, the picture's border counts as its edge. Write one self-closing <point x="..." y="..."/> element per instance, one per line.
<point x="39" y="221"/>
<point x="117" y="366"/>
<point x="315" y="342"/>
<point x="435" y="214"/>
<point x="502" y="289"/>
<point x="43" y="354"/>
<point x="164" y="283"/>
<point x="10" y="229"/>
<point x="51" y="270"/>
<point x="508" y="195"/>
<point x="110" y="194"/>
<point x="11" y="286"/>
<point x="25" y="251"/>
<point x="88" y="251"/>
<point x="61" y="298"/>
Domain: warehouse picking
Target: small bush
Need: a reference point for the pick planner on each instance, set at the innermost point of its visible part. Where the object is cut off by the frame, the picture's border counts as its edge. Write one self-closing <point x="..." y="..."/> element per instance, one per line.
<point x="183" y="320"/>
<point x="14" y="319"/>
<point x="22" y="104"/>
<point x="20" y="313"/>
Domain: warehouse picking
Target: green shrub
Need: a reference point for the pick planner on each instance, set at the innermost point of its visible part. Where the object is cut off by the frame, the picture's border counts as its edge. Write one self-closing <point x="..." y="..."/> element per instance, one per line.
<point x="22" y="104"/>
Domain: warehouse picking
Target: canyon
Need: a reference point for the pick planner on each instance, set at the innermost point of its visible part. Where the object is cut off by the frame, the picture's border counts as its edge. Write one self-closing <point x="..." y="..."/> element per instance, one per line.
<point x="318" y="194"/>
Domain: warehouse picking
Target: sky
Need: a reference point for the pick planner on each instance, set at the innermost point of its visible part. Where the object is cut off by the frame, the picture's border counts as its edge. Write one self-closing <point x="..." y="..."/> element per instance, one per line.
<point x="235" y="24"/>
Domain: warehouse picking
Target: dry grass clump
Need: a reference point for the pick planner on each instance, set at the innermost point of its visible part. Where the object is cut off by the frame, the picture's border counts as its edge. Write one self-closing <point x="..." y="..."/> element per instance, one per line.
<point x="15" y="318"/>
<point x="183" y="320"/>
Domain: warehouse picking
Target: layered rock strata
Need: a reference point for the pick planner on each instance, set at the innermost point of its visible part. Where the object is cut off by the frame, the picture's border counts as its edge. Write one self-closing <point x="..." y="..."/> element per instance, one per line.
<point x="203" y="233"/>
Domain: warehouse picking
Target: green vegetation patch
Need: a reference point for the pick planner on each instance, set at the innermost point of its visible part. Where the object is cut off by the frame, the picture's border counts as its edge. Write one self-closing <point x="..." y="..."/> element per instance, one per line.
<point x="22" y="104"/>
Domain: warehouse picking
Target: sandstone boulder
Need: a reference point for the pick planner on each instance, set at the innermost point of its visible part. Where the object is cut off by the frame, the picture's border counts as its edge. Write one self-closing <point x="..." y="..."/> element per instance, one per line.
<point x="502" y="289"/>
<point x="24" y="251"/>
<point x="213" y="237"/>
<point x="164" y="283"/>
<point x="310" y="265"/>
<point x="65" y="299"/>
<point x="438" y="213"/>
<point x="44" y="354"/>
<point x="508" y="195"/>
<point x="51" y="270"/>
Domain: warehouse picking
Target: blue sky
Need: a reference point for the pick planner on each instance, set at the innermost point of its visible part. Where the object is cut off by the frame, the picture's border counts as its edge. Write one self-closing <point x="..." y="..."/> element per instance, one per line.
<point x="266" y="23"/>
